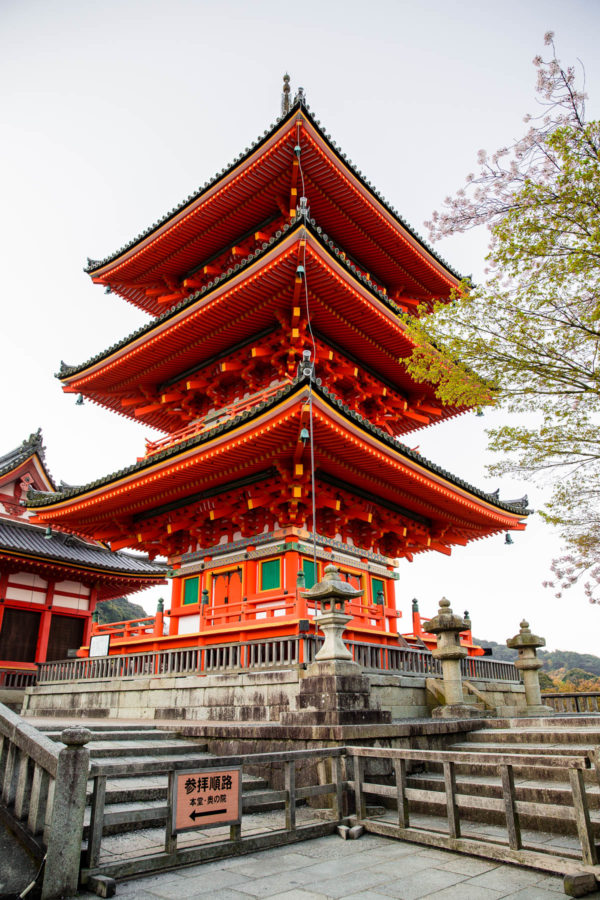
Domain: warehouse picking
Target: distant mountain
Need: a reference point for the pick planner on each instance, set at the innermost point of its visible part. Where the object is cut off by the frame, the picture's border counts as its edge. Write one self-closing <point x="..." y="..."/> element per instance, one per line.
<point x="119" y="610"/>
<point x="552" y="659"/>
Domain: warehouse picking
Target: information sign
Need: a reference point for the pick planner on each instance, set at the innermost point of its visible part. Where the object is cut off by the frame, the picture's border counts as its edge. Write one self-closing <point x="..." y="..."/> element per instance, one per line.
<point x="99" y="645"/>
<point x="206" y="798"/>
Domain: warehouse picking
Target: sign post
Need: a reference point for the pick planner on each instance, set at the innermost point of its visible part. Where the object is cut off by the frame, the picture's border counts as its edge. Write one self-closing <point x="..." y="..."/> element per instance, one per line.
<point x="206" y="799"/>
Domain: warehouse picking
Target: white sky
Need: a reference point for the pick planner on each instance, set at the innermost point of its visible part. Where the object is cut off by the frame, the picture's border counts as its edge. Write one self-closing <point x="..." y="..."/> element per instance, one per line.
<point x="113" y="112"/>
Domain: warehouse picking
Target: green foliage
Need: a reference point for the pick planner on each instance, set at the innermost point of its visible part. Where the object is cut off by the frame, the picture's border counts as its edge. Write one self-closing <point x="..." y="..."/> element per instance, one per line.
<point x="546" y="683"/>
<point x="119" y="610"/>
<point x="532" y="330"/>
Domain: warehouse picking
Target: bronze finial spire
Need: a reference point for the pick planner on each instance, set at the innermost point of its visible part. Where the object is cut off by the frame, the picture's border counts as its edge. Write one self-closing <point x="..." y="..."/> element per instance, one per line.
<point x="285" y="97"/>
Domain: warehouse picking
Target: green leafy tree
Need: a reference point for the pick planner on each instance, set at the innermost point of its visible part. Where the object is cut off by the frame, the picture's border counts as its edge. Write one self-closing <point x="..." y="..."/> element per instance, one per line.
<point x="531" y="331"/>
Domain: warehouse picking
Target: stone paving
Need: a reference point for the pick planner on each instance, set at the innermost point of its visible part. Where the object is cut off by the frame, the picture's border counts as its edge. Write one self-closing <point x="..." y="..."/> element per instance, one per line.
<point x="371" y="868"/>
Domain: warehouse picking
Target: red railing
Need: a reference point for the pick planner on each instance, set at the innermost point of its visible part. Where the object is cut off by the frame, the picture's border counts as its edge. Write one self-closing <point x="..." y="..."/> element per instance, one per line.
<point x="228" y="412"/>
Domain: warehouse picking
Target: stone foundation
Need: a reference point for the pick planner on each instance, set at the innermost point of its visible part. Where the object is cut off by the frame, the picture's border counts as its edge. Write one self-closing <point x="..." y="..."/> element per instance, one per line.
<point x="264" y="696"/>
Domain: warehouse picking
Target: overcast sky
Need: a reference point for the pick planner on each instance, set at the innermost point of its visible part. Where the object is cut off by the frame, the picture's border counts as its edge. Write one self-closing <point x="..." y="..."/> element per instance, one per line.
<point x="114" y="111"/>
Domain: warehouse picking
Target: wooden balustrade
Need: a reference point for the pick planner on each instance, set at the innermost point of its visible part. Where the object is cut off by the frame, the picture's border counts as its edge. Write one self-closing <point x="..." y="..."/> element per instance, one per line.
<point x="17" y="678"/>
<point x="263" y="654"/>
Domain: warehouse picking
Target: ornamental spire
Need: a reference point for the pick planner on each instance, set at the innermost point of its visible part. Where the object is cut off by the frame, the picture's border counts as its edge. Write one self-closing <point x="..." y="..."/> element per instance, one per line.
<point x="285" y="97"/>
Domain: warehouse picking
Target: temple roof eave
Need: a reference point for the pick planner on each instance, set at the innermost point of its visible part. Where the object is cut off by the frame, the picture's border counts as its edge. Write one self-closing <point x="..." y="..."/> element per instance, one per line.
<point x="95" y="267"/>
<point x="152" y="465"/>
<point x="70" y="373"/>
<point x="27" y="540"/>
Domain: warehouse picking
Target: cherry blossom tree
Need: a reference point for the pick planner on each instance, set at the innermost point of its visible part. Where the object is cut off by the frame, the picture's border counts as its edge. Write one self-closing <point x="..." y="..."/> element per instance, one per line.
<point x="531" y="331"/>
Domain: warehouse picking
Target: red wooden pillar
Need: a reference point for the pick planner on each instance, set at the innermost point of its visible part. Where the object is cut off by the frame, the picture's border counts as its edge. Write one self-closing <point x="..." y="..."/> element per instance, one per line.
<point x="390" y="606"/>
<point x="41" y="650"/>
<point x="87" y="628"/>
<point x="176" y="598"/>
<point x="3" y="590"/>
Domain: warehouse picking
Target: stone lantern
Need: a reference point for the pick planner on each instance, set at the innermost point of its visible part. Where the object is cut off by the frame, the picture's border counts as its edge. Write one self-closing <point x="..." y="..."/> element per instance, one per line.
<point x="528" y="664"/>
<point x="334" y="691"/>
<point x="330" y="595"/>
<point x="450" y="651"/>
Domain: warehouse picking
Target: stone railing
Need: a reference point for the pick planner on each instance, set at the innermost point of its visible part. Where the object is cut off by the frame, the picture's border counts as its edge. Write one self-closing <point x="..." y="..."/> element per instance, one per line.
<point x="266" y="654"/>
<point x="573" y="702"/>
<point x="43" y="793"/>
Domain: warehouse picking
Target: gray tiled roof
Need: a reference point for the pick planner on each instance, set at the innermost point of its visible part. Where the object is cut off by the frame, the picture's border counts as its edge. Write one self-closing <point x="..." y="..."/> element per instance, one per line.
<point x="36" y="498"/>
<point x="26" y="538"/>
<point x="93" y="264"/>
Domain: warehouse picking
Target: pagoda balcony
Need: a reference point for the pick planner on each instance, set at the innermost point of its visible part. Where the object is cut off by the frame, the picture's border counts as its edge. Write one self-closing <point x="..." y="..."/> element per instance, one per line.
<point x="213" y="418"/>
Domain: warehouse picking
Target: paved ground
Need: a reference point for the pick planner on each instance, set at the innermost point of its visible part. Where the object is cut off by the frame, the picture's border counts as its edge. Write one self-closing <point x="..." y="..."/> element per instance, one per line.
<point x="372" y="868"/>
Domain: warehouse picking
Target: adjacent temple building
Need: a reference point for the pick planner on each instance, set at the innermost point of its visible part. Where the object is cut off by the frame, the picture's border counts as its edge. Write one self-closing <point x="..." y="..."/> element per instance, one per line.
<point x="273" y="362"/>
<point x="50" y="581"/>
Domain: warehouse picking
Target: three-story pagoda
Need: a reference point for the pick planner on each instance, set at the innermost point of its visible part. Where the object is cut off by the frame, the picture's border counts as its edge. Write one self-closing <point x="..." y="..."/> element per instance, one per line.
<point x="273" y="363"/>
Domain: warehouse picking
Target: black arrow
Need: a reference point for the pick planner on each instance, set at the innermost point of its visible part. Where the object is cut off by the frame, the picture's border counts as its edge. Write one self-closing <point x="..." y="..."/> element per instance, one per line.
<point x="210" y="812"/>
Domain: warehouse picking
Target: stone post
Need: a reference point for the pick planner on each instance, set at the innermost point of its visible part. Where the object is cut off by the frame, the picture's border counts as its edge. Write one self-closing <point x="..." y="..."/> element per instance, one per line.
<point x="528" y="664"/>
<point x="63" y="860"/>
<point x="449" y="650"/>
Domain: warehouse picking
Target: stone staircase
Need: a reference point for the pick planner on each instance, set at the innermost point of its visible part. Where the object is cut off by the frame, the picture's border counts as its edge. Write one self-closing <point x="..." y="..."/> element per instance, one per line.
<point x="546" y="790"/>
<point x="140" y="802"/>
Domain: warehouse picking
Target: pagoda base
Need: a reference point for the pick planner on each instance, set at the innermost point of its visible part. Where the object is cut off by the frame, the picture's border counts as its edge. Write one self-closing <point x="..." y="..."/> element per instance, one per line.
<point x="335" y="692"/>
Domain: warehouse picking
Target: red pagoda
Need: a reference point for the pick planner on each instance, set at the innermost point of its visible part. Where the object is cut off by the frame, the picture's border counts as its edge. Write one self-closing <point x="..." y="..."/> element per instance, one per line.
<point x="50" y="581"/>
<point x="273" y="363"/>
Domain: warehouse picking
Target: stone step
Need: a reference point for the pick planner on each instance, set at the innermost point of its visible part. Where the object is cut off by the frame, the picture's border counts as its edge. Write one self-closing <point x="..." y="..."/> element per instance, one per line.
<point x="528" y="790"/>
<point x="569" y="735"/>
<point x="121" y="735"/>
<point x="533" y="773"/>
<point x="101" y="749"/>
<point x="549" y="749"/>
<point x="116" y="766"/>
<point x="115" y="725"/>
<point x="559" y="720"/>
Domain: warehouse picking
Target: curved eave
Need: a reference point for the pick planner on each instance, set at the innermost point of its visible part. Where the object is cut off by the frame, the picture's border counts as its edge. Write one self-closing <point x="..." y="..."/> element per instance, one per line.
<point x="95" y="571"/>
<point x="369" y="442"/>
<point x="146" y="356"/>
<point x="178" y="226"/>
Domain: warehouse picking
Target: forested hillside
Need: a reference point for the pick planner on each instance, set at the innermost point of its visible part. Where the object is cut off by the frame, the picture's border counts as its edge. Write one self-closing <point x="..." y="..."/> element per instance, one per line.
<point x="561" y="670"/>
<point x="118" y="610"/>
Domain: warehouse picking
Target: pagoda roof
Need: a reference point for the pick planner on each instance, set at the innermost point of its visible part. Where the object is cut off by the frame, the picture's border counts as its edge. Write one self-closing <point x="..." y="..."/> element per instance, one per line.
<point x="198" y="227"/>
<point x="29" y="541"/>
<point x="164" y="347"/>
<point x="137" y="486"/>
<point x="30" y="447"/>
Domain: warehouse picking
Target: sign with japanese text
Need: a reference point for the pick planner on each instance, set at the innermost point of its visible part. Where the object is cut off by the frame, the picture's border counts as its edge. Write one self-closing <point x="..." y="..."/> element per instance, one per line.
<point x="206" y="798"/>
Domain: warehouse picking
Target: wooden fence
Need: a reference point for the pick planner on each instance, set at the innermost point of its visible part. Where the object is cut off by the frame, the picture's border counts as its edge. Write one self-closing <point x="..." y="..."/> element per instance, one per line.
<point x="512" y="849"/>
<point x="203" y="851"/>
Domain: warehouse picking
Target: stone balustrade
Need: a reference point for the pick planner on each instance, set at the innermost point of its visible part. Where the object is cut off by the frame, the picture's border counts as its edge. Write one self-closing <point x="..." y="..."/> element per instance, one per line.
<point x="43" y="789"/>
